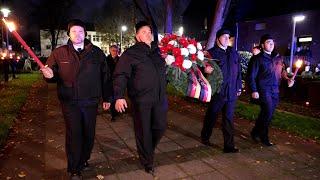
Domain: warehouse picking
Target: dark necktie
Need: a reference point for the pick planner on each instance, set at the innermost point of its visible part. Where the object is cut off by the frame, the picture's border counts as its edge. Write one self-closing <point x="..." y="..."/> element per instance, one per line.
<point x="79" y="49"/>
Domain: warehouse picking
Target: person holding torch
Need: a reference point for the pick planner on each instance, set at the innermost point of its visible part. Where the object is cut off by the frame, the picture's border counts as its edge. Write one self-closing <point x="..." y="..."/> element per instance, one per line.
<point x="82" y="75"/>
<point x="264" y="79"/>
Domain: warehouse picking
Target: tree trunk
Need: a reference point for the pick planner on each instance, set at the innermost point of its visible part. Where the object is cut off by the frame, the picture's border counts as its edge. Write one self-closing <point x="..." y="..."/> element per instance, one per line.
<point x="168" y="25"/>
<point x="144" y="7"/>
<point x="218" y="20"/>
<point x="53" y="39"/>
<point x="57" y="37"/>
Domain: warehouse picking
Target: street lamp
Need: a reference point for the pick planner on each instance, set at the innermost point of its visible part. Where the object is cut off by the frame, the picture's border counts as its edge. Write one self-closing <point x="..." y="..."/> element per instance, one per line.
<point x="181" y="30"/>
<point x="123" y="29"/>
<point x="295" y="19"/>
<point x="5" y="12"/>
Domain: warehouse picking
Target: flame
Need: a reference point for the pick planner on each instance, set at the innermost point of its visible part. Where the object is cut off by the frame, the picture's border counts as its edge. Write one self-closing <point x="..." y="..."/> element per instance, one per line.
<point x="299" y="63"/>
<point x="9" y="24"/>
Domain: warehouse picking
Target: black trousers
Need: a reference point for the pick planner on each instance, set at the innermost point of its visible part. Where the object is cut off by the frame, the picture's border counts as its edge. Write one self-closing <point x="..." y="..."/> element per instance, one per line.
<point x="268" y="102"/>
<point x="6" y="71"/>
<point x="150" y="122"/>
<point x="113" y="110"/>
<point x="80" y="121"/>
<point x="216" y="105"/>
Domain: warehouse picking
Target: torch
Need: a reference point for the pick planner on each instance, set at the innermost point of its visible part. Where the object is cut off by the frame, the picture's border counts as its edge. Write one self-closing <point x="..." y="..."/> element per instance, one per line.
<point x="12" y="29"/>
<point x="298" y="65"/>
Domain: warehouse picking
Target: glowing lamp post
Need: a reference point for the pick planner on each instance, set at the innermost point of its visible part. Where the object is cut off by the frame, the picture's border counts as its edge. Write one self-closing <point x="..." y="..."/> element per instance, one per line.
<point x="5" y="12"/>
<point x="123" y="29"/>
<point x="12" y="29"/>
<point x="296" y="19"/>
<point x="181" y="31"/>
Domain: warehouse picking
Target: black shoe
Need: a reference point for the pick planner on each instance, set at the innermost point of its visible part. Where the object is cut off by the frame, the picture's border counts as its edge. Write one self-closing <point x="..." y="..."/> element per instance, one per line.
<point x="150" y="170"/>
<point x="76" y="176"/>
<point x="255" y="137"/>
<point x="230" y="150"/>
<point x="267" y="143"/>
<point x="207" y="143"/>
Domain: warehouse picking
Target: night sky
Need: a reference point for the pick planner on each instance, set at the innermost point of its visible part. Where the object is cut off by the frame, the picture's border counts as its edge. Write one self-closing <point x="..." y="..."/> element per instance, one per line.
<point x="84" y="9"/>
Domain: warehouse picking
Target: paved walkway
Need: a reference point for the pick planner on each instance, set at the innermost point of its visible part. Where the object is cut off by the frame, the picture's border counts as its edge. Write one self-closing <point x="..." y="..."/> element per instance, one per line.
<point x="35" y="149"/>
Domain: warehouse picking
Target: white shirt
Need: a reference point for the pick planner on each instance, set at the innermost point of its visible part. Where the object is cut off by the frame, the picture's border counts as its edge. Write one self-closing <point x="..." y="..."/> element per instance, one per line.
<point x="77" y="46"/>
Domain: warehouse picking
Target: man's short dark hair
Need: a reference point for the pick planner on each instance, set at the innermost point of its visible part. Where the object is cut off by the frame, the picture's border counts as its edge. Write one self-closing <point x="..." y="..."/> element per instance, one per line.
<point x="141" y="24"/>
<point x="264" y="38"/>
<point x="222" y="31"/>
<point x="76" y="22"/>
<point x="257" y="47"/>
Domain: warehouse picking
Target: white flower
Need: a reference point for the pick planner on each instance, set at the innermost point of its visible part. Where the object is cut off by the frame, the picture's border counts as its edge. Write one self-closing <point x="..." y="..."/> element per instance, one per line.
<point x="199" y="46"/>
<point x="192" y="49"/>
<point x="169" y="59"/>
<point x="160" y="37"/>
<point x="173" y="42"/>
<point x="200" y="55"/>
<point x="187" y="64"/>
<point x="184" y="52"/>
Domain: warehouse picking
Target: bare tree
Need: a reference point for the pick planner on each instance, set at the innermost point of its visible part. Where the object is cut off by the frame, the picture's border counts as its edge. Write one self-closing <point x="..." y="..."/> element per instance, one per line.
<point x="168" y="25"/>
<point x="51" y="15"/>
<point x="219" y="17"/>
<point x="166" y="13"/>
<point x="109" y="19"/>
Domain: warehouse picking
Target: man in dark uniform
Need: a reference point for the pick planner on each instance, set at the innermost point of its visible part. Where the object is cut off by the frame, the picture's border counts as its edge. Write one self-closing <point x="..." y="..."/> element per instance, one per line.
<point x="82" y="77"/>
<point x="264" y="80"/>
<point x="225" y="100"/>
<point x="112" y="60"/>
<point x="255" y="51"/>
<point x="142" y="70"/>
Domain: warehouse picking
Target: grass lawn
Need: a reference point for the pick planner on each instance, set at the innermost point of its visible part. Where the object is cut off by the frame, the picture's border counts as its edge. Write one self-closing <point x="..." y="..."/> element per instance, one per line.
<point x="302" y="125"/>
<point x="12" y="97"/>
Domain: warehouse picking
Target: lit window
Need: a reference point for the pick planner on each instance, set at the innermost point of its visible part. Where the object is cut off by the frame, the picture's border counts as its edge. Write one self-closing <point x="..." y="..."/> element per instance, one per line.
<point x="305" y="39"/>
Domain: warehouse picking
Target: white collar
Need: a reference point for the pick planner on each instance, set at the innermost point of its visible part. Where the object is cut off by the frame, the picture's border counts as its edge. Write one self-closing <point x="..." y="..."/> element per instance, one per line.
<point x="77" y="46"/>
<point x="222" y="47"/>
<point x="267" y="52"/>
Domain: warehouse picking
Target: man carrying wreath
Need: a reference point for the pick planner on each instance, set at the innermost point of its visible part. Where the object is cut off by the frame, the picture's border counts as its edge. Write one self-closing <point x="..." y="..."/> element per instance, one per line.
<point x="225" y="100"/>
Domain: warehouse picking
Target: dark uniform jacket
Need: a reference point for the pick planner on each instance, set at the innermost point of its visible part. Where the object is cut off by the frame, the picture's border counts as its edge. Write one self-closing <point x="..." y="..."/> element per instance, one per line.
<point x="229" y="63"/>
<point x="112" y="62"/>
<point x="142" y="70"/>
<point x="80" y="75"/>
<point x="266" y="72"/>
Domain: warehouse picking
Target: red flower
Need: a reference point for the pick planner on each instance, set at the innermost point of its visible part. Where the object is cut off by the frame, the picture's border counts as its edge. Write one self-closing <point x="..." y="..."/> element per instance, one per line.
<point x="183" y="42"/>
<point x="169" y="47"/>
<point x="179" y="60"/>
<point x="165" y="40"/>
<point x="163" y="50"/>
<point x="176" y="51"/>
<point x="193" y="57"/>
<point x="173" y="37"/>
<point x="194" y="42"/>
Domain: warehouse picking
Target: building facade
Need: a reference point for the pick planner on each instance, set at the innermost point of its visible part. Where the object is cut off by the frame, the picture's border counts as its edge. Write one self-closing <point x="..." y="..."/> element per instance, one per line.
<point x="45" y="41"/>
<point x="307" y="34"/>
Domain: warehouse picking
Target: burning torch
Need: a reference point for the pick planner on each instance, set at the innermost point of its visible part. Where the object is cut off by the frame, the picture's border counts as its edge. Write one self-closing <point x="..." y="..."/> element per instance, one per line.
<point x="298" y="65"/>
<point x="12" y="29"/>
